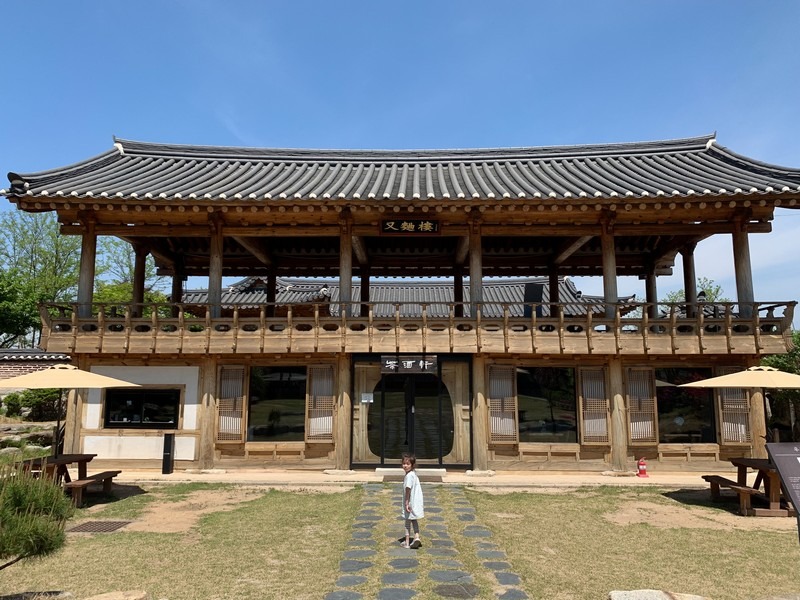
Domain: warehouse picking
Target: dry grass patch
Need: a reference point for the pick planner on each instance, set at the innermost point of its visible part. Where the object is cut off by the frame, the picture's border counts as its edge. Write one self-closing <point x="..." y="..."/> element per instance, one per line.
<point x="240" y="543"/>
<point x="575" y="546"/>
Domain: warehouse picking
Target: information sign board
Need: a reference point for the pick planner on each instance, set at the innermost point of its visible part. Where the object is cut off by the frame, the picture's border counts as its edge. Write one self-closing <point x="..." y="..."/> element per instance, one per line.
<point x="409" y="226"/>
<point x="786" y="458"/>
<point x="408" y="364"/>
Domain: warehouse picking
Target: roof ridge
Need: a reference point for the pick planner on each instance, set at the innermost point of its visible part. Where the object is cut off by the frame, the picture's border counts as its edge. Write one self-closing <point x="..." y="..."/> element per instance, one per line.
<point x="413" y="155"/>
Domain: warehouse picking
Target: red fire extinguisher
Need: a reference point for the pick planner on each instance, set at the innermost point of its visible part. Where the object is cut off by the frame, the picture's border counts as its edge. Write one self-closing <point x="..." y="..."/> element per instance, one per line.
<point x="641" y="468"/>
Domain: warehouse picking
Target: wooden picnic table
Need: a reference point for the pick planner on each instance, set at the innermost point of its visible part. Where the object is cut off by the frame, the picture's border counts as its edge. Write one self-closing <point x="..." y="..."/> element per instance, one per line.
<point x="766" y="474"/>
<point x="57" y="467"/>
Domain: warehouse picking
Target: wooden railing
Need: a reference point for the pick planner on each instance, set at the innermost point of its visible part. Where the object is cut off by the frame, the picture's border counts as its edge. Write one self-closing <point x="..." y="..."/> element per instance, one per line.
<point x="557" y="328"/>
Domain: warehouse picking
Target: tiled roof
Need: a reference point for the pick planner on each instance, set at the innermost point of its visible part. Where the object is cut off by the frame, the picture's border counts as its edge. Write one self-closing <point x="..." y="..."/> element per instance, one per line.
<point x="31" y="354"/>
<point x="251" y="292"/>
<point x="680" y="168"/>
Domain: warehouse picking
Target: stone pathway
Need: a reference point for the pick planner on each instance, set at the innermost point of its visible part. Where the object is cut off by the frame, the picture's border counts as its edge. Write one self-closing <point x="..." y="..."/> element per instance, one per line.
<point x="458" y="558"/>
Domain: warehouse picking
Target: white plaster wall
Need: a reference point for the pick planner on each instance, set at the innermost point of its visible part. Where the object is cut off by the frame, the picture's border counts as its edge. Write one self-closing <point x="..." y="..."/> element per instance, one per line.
<point x="138" y="446"/>
<point x="189" y="377"/>
<point x="131" y="446"/>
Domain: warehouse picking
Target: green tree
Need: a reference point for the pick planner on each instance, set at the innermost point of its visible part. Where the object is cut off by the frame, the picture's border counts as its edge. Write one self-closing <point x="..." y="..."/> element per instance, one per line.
<point x="39" y="265"/>
<point x="33" y="513"/>
<point x="712" y="291"/>
<point x="19" y="312"/>
<point x="117" y="260"/>
<point x="32" y="247"/>
<point x="786" y="403"/>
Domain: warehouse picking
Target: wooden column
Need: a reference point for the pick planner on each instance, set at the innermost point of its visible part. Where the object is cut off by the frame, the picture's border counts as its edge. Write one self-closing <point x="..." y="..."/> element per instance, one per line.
<point x="689" y="280"/>
<point x="345" y="264"/>
<point x="610" y="294"/>
<point x="458" y="290"/>
<point x="364" y="291"/>
<point x="744" y="272"/>
<point x="140" y="262"/>
<point x="208" y="412"/>
<point x="758" y="423"/>
<point x="475" y="266"/>
<point x="177" y="286"/>
<point x="555" y="293"/>
<point x="272" y="293"/>
<point x="651" y="292"/>
<point x="74" y="402"/>
<point x="344" y="411"/>
<point x="480" y="415"/>
<point x="215" y="269"/>
<point x="87" y="267"/>
<point x="619" y="418"/>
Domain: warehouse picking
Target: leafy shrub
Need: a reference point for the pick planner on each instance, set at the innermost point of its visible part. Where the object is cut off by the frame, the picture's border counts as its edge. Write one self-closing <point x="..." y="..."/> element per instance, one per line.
<point x="43" y="405"/>
<point x="13" y="404"/>
<point x="33" y="513"/>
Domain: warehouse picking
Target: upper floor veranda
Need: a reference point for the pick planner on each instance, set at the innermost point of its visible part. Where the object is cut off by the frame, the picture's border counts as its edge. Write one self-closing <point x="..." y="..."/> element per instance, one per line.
<point x="551" y="329"/>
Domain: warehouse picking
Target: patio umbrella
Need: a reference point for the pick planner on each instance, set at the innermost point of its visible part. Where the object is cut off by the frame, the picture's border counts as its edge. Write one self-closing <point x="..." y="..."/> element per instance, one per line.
<point x="754" y="377"/>
<point x="63" y="377"/>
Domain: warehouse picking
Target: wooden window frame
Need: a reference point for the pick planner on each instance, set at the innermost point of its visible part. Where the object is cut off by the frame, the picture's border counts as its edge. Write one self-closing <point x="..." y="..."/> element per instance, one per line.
<point x="583" y="410"/>
<point x="651" y="440"/>
<point x="501" y="405"/>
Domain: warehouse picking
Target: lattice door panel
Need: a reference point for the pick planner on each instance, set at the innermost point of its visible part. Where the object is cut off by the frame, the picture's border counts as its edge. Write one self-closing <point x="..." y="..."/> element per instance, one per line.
<point x="321" y="401"/>
<point x="230" y="405"/>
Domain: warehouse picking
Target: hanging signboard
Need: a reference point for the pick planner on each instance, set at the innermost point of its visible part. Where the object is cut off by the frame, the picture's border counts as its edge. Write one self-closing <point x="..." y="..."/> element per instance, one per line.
<point x="786" y="458"/>
<point x="408" y="364"/>
<point x="409" y="226"/>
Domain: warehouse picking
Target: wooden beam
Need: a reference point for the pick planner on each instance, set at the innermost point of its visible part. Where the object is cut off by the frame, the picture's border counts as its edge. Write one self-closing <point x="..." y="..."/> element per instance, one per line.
<point x="163" y="259"/>
<point x="360" y="250"/>
<point x="536" y="227"/>
<point x="255" y="248"/>
<point x="570" y="248"/>
<point x="462" y="250"/>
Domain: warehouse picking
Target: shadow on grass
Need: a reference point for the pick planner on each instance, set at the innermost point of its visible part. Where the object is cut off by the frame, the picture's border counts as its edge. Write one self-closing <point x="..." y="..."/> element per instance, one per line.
<point x="35" y="596"/>
<point x="698" y="497"/>
<point x="118" y="493"/>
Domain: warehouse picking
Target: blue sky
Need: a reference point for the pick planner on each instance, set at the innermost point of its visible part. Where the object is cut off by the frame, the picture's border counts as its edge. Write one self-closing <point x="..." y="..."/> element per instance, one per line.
<point x="412" y="74"/>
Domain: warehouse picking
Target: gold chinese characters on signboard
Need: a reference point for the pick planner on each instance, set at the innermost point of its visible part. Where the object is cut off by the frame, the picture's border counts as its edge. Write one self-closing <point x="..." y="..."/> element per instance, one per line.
<point x="409" y="226"/>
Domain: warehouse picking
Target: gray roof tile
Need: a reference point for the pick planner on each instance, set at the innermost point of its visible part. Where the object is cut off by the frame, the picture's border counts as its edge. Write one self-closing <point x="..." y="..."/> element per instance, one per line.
<point x="251" y="292"/>
<point x="139" y="170"/>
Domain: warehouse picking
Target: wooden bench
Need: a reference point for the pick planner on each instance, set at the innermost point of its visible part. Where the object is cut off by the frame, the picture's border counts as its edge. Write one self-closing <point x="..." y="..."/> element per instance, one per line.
<point x="78" y="486"/>
<point x="744" y="492"/>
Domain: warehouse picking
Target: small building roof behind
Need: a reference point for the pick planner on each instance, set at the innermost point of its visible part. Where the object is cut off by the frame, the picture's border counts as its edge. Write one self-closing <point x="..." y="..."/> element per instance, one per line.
<point x="31" y="355"/>
<point x="410" y="293"/>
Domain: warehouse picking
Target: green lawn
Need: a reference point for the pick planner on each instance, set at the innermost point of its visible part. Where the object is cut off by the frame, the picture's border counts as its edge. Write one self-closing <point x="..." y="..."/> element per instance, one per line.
<point x="287" y="544"/>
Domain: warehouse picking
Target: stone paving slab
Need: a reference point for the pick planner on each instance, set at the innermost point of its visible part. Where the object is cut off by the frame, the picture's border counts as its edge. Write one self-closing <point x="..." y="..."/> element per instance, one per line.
<point x="445" y="542"/>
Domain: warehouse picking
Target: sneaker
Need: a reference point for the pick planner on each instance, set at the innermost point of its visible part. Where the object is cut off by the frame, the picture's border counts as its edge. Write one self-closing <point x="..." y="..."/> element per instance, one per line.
<point x="415" y="544"/>
<point x="405" y="545"/>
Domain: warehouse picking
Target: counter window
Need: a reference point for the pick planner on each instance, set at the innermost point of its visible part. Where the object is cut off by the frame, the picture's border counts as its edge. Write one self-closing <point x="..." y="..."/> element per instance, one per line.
<point x="142" y="408"/>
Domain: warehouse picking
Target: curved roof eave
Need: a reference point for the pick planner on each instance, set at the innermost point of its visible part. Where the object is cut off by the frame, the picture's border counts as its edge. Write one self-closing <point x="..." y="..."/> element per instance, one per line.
<point x="142" y="171"/>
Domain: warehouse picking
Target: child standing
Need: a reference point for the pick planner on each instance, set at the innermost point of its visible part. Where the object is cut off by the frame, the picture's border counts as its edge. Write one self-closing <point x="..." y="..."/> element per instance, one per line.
<point x="413" y="508"/>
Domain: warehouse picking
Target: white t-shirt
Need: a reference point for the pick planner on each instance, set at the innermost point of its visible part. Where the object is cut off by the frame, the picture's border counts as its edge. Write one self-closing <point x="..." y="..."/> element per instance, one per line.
<point x="415" y="497"/>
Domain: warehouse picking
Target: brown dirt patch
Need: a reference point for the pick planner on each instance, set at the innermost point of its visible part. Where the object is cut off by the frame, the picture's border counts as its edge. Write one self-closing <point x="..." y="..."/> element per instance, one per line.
<point x="678" y="516"/>
<point x="181" y="516"/>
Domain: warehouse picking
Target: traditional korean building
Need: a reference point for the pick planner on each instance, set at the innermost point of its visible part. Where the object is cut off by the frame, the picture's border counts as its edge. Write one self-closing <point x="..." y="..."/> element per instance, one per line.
<point x="451" y="364"/>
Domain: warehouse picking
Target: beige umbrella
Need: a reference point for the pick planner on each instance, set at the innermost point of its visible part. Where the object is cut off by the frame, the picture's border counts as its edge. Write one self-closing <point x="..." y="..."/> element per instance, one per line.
<point x="64" y="377"/>
<point x="754" y="377"/>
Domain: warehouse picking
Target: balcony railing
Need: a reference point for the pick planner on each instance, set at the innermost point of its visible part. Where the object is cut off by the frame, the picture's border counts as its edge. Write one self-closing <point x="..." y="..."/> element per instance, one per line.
<point x="552" y="328"/>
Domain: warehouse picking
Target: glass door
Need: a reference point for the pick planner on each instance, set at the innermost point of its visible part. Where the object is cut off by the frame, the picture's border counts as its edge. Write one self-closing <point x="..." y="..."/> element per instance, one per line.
<point x="424" y="413"/>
